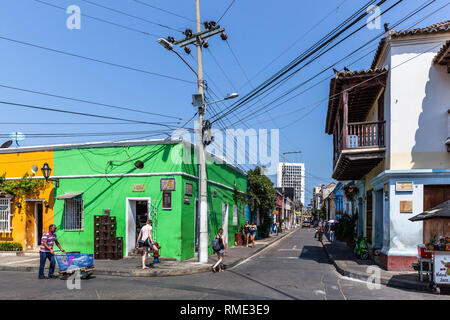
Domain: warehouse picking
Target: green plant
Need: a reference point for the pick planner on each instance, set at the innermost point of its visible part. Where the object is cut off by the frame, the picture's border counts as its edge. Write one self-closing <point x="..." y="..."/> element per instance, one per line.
<point x="10" y="246"/>
<point x="22" y="187"/>
<point x="346" y="228"/>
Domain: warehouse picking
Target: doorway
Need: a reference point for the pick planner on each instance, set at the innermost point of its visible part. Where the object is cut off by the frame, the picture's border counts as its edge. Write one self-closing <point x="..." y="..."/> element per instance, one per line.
<point x="225" y="221"/>
<point x="38" y="209"/>
<point x="137" y="214"/>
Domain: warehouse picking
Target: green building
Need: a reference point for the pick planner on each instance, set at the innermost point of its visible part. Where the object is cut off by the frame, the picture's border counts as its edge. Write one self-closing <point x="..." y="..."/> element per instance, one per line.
<point x="133" y="180"/>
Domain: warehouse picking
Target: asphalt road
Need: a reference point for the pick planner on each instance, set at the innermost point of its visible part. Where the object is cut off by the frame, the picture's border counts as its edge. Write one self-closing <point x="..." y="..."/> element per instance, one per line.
<point x="294" y="268"/>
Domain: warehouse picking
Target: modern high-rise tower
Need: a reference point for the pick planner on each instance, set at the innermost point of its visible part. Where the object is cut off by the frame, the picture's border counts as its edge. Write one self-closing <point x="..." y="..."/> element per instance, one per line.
<point x="294" y="177"/>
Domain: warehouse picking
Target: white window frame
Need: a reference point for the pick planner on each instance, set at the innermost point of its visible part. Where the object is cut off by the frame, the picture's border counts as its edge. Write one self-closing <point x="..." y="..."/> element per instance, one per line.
<point x="73" y="214"/>
<point x="5" y="216"/>
<point x="235" y="215"/>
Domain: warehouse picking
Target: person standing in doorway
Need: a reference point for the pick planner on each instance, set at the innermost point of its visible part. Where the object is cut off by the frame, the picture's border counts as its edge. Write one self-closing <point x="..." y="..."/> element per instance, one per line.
<point x="46" y="252"/>
<point x="145" y="241"/>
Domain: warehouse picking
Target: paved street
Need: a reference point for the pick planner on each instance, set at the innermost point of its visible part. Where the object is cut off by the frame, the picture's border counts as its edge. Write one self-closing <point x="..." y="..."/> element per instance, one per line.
<point x="294" y="268"/>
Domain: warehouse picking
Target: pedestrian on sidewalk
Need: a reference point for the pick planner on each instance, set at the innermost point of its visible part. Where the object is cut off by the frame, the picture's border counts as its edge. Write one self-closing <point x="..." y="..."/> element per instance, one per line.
<point x="145" y="242"/>
<point x="277" y="227"/>
<point x="332" y="231"/>
<point x="253" y="229"/>
<point x="219" y="251"/>
<point x="46" y="252"/>
<point x="247" y="232"/>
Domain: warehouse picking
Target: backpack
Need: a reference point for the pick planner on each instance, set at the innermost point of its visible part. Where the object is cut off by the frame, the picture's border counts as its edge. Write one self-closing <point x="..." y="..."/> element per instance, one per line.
<point x="216" y="245"/>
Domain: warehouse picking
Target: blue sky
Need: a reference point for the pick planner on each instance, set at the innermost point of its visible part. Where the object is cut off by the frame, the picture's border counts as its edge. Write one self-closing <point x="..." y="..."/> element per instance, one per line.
<point x="258" y="32"/>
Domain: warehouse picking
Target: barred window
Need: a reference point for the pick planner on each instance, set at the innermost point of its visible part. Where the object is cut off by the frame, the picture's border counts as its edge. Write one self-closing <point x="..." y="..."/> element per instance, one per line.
<point x="5" y="215"/>
<point x="73" y="214"/>
<point x="167" y="200"/>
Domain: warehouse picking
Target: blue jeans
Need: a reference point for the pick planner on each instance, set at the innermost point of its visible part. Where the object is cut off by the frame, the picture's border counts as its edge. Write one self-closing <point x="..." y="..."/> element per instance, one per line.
<point x="44" y="256"/>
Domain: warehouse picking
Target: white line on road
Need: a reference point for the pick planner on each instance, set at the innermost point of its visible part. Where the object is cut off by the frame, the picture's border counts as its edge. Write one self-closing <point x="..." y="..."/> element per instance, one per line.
<point x="14" y="262"/>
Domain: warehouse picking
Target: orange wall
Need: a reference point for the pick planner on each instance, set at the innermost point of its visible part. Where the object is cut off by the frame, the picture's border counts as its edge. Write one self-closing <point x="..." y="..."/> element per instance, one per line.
<point x="23" y="219"/>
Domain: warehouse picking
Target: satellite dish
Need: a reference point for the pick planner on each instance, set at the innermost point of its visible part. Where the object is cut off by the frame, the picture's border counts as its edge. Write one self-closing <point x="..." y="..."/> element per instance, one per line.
<point x="34" y="169"/>
<point x="17" y="136"/>
<point x="6" y="144"/>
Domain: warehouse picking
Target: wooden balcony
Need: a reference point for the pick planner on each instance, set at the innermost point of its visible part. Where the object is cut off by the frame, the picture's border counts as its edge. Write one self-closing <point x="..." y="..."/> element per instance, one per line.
<point x="358" y="148"/>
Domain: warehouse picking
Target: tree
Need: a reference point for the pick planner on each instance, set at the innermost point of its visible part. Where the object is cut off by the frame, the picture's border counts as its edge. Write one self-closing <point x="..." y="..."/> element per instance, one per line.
<point x="261" y="198"/>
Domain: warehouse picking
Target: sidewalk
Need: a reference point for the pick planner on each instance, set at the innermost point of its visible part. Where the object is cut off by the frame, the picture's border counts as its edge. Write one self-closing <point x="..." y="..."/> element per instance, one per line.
<point x="131" y="266"/>
<point x="348" y="265"/>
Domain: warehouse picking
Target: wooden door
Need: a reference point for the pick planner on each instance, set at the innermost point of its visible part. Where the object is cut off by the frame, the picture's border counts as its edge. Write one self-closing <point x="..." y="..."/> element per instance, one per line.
<point x="369" y="216"/>
<point x="434" y="195"/>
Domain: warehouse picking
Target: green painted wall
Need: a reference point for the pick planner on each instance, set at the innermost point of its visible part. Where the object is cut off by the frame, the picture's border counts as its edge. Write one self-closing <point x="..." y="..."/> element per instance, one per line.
<point x="174" y="228"/>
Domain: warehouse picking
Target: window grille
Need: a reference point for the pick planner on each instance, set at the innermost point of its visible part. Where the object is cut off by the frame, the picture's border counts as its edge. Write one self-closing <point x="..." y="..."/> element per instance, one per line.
<point x="73" y="214"/>
<point x="5" y="215"/>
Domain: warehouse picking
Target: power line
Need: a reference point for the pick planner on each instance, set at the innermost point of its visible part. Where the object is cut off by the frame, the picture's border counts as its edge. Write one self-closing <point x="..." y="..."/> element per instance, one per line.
<point x="89" y="102"/>
<point x="326" y="69"/>
<point x="131" y="16"/>
<point x="94" y="60"/>
<point x="229" y="7"/>
<point x="163" y="10"/>
<point x="101" y="20"/>
<point x="80" y="113"/>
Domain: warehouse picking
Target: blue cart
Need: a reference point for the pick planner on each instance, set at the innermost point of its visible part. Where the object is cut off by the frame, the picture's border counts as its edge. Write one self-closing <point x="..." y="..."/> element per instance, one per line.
<point x="70" y="262"/>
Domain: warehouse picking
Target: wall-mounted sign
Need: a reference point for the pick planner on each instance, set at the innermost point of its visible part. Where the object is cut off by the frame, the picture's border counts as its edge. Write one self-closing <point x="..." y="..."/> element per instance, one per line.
<point x="275" y="212"/>
<point x="406" y="206"/>
<point x="404" y="186"/>
<point x="188" y="189"/>
<point x="168" y="184"/>
<point x="442" y="268"/>
<point x="138" y="188"/>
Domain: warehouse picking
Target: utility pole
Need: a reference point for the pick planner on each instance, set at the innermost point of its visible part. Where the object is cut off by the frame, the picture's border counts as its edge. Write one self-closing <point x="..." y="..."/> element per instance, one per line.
<point x="199" y="40"/>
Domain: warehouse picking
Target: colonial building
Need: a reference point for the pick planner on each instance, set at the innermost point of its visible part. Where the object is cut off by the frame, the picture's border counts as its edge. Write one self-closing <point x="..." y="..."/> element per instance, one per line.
<point x="131" y="181"/>
<point x="390" y="127"/>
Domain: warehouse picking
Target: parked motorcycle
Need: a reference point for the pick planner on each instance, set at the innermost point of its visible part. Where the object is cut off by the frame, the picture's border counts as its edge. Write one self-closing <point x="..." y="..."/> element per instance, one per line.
<point x="361" y="248"/>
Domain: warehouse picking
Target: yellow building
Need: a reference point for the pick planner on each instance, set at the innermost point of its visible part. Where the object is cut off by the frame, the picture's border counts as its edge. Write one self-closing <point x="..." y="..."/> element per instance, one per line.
<point x="26" y="210"/>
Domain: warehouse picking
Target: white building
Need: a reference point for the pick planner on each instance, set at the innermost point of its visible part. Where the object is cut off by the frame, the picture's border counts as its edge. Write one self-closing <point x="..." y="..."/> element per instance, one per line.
<point x="390" y="125"/>
<point x="294" y="177"/>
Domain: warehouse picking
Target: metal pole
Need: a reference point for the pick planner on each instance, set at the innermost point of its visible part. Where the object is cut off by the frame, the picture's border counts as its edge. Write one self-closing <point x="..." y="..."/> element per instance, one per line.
<point x="282" y="188"/>
<point x="203" y="248"/>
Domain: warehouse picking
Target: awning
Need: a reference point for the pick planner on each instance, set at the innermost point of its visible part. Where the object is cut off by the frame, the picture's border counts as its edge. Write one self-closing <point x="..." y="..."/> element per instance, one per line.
<point x="441" y="211"/>
<point x="68" y="196"/>
<point x="34" y="200"/>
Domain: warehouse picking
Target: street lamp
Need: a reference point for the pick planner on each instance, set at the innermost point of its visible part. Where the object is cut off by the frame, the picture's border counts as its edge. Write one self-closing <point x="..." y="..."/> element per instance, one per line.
<point x="46" y="170"/>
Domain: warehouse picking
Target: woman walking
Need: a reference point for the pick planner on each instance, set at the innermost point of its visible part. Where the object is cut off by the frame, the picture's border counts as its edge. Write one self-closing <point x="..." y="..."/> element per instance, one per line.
<point x="219" y="250"/>
<point x="144" y="240"/>
<point x="247" y="232"/>
<point x="253" y="229"/>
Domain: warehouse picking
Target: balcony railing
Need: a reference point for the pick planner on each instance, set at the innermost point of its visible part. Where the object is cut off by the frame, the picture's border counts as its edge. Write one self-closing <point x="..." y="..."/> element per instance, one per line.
<point x="359" y="135"/>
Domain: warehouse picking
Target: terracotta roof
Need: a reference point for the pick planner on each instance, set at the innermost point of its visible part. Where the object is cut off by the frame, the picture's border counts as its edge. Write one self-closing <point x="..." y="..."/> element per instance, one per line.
<point x="443" y="54"/>
<point x="440" y="27"/>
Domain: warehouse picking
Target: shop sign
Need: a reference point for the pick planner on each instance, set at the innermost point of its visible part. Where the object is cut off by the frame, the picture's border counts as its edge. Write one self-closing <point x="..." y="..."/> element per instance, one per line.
<point x="138" y="188"/>
<point x="404" y="186"/>
<point x="442" y="268"/>
<point x="275" y="212"/>
<point x="168" y="184"/>
<point x="188" y="189"/>
<point x="406" y="206"/>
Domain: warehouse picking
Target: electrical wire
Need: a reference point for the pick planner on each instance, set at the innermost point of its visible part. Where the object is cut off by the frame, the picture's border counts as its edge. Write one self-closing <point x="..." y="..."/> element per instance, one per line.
<point x="131" y="16"/>
<point x="163" y="10"/>
<point x="228" y="8"/>
<point x="87" y="101"/>
<point x="94" y="60"/>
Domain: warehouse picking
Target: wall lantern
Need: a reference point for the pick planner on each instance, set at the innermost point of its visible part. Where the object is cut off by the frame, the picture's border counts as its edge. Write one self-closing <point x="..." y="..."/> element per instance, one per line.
<point x="46" y="204"/>
<point x="19" y="205"/>
<point x="46" y="170"/>
<point x="386" y="191"/>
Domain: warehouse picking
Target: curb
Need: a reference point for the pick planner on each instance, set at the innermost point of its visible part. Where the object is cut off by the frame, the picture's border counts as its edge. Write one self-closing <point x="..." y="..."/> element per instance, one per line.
<point x="154" y="273"/>
<point x="389" y="282"/>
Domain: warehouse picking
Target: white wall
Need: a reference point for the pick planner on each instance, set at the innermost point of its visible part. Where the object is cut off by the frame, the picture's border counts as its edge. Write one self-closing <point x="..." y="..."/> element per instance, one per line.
<point x="419" y="100"/>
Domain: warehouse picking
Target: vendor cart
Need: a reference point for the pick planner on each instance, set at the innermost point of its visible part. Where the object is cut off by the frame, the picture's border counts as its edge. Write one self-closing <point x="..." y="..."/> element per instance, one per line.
<point x="441" y="270"/>
<point x="436" y="231"/>
<point x="71" y="262"/>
